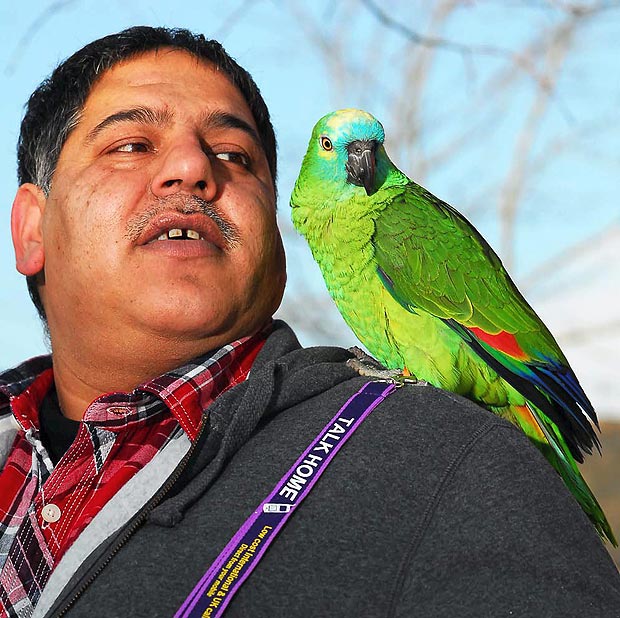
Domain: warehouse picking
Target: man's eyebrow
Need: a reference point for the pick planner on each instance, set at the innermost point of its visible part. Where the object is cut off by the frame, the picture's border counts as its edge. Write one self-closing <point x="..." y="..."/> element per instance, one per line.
<point x="142" y="115"/>
<point x="225" y="120"/>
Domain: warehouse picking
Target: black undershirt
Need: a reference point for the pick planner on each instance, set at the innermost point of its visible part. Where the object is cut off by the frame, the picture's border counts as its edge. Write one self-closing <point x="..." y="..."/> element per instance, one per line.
<point x="57" y="431"/>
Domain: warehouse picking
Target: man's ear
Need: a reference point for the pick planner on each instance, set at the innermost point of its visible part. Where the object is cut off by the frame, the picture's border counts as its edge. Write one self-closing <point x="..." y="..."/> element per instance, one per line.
<point x="27" y="229"/>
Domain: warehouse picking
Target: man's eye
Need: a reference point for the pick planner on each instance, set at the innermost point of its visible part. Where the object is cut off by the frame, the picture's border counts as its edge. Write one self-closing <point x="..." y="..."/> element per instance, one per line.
<point x="132" y="147"/>
<point x="234" y="157"/>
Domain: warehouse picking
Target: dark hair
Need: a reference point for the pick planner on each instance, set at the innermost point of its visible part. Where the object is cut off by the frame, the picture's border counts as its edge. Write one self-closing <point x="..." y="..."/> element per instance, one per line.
<point x="54" y="108"/>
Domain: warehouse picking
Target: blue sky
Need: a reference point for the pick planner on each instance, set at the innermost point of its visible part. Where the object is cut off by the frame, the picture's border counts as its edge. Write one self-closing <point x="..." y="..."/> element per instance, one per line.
<point x="575" y="190"/>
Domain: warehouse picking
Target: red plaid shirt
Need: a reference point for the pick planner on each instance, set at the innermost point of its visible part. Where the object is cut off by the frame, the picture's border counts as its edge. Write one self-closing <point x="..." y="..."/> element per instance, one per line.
<point x="44" y="508"/>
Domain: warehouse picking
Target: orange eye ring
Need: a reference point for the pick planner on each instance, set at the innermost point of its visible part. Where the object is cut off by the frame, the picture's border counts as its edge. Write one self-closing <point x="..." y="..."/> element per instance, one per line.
<point x="326" y="143"/>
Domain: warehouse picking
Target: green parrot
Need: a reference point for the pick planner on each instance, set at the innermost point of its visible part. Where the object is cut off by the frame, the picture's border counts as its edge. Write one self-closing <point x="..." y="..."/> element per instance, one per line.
<point x="426" y="295"/>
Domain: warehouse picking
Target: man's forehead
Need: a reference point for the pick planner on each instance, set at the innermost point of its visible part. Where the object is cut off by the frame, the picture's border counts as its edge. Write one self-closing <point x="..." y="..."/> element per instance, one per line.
<point x="150" y="72"/>
<point x="145" y="67"/>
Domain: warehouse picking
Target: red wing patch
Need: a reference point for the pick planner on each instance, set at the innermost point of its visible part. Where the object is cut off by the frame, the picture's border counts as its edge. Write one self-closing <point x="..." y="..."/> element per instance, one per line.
<point x="503" y="341"/>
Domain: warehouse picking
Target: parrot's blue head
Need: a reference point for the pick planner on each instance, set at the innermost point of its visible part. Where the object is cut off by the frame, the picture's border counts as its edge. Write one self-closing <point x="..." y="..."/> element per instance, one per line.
<point x="347" y="144"/>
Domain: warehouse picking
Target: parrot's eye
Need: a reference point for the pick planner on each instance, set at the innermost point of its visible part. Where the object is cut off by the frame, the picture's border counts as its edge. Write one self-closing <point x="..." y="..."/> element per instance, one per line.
<point x="326" y="143"/>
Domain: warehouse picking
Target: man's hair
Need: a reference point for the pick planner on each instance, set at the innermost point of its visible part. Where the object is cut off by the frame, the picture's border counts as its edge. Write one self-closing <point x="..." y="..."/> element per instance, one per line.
<point x="54" y="108"/>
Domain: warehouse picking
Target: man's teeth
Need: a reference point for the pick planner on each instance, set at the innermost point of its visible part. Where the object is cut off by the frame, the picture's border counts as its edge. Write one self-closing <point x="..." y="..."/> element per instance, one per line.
<point x="178" y="233"/>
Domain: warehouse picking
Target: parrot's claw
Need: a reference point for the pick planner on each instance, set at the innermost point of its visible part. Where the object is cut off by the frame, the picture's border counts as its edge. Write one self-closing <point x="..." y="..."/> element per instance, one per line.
<point x="370" y="367"/>
<point x="363" y="361"/>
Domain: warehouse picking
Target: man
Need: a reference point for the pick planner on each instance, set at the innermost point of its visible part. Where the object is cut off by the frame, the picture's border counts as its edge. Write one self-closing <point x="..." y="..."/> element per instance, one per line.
<point x="172" y="403"/>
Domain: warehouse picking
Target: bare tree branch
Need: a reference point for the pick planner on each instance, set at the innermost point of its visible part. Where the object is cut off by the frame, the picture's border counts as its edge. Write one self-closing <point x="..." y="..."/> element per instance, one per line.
<point x="433" y="41"/>
<point x="588" y="334"/>
<point x="330" y="47"/>
<point x="407" y="111"/>
<point x="515" y="180"/>
<point x="465" y="50"/>
<point x="233" y="18"/>
<point x="32" y="30"/>
<point x="571" y="255"/>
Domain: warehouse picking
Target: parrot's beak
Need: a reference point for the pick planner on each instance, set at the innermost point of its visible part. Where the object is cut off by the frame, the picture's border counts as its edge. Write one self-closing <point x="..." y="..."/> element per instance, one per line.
<point x="361" y="164"/>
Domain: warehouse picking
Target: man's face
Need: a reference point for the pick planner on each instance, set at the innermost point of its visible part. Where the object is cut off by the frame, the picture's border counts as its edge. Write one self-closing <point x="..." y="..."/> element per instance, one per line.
<point x="164" y="143"/>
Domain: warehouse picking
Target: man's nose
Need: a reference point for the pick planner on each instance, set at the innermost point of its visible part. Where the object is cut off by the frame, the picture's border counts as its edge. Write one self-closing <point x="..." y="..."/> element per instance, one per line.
<point x="185" y="167"/>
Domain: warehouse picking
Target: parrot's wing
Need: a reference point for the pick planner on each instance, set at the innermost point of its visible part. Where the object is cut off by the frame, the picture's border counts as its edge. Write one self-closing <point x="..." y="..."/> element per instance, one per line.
<point x="432" y="259"/>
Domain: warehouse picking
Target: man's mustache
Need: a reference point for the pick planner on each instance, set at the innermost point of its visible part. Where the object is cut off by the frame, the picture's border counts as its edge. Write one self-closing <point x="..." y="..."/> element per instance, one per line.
<point x="186" y="205"/>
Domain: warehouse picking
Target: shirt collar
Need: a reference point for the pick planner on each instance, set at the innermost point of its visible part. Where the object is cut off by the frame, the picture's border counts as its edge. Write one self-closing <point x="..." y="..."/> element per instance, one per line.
<point x="189" y="390"/>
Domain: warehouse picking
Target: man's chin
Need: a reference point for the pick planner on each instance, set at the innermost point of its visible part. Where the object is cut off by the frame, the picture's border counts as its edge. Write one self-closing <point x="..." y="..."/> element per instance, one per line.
<point x="187" y="328"/>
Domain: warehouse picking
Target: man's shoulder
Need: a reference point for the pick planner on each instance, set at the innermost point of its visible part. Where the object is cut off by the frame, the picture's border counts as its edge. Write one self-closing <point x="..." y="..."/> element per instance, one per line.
<point x="419" y="424"/>
<point x="322" y="370"/>
<point x="416" y="426"/>
<point x="416" y="409"/>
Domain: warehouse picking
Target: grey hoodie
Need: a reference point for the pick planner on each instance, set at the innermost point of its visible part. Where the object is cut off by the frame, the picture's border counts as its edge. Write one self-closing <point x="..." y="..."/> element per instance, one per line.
<point x="435" y="507"/>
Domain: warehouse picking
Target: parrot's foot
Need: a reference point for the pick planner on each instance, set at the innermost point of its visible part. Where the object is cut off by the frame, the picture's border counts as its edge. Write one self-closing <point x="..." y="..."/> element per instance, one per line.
<point x="370" y="367"/>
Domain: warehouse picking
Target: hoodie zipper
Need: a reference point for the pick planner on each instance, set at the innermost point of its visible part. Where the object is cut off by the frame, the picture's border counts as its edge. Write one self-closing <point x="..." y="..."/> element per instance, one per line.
<point x="155" y="500"/>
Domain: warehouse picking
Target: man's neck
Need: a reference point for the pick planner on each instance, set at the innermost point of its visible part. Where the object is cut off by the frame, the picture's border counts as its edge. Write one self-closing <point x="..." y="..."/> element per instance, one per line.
<point x="82" y="379"/>
<point x="94" y="360"/>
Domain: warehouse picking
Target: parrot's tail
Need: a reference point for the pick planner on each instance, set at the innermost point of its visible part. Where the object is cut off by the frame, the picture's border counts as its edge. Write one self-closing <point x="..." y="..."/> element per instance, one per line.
<point x="546" y="436"/>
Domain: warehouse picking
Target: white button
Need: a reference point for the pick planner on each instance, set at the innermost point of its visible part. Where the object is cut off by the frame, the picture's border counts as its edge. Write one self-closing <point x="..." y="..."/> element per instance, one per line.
<point x="50" y="513"/>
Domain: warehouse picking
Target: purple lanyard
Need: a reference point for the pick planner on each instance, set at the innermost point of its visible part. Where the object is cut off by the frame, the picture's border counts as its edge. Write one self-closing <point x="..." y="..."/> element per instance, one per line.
<point x="238" y="559"/>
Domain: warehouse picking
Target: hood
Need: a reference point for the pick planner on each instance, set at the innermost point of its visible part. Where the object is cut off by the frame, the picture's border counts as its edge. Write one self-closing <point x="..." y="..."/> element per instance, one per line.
<point x="283" y="375"/>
